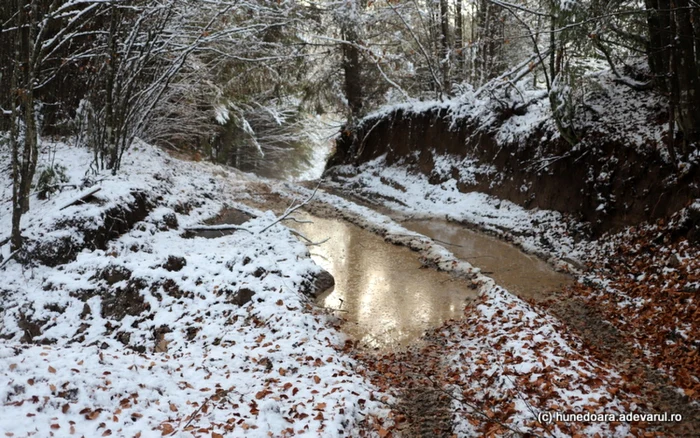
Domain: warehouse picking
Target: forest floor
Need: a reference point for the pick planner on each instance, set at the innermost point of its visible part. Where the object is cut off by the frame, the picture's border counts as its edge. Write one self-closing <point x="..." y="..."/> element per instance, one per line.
<point x="123" y="323"/>
<point x="633" y="308"/>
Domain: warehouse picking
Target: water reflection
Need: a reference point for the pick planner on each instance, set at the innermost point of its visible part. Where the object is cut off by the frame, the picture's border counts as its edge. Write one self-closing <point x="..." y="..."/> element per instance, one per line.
<point x="385" y="296"/>
<point x="520" y="273"/>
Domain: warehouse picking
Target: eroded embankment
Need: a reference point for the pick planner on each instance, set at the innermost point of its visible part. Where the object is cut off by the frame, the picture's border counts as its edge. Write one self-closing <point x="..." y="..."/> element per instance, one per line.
<point x="604" y="180"/>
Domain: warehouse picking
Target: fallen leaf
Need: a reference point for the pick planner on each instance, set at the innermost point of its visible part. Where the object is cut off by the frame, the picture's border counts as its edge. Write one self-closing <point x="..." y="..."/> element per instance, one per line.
<point x="166" y="428"/>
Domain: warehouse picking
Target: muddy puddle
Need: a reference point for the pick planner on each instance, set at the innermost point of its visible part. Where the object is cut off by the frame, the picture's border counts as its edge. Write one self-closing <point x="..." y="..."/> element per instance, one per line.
<point x="522" y="274"/>
<point x="386" y="299"/>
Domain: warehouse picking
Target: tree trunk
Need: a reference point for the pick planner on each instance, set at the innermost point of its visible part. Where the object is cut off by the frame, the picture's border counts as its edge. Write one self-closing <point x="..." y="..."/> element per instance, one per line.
<point x="353" y="73"/>
<point x="24" y="161"/>
<point x="659" y="50"/>
<point x="16" y="236"/>
<point x="686" y="74"/>
<point x="445" y="46"/>
<point x="459" y="39"/>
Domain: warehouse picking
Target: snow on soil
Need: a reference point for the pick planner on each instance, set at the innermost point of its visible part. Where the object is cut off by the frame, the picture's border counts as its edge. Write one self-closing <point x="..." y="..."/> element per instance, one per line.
<point x="604" y="110"/>
<point x="154" y="334"/>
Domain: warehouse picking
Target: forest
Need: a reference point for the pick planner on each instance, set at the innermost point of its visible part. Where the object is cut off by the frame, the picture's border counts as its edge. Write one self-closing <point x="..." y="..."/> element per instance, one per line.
<point x="236" y="81"/>
<point x="189" y="182"/>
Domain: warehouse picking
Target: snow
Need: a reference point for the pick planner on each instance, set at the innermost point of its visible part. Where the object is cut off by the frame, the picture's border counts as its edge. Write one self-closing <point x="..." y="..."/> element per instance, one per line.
<point x="604" y="111"/>
<point x="184" y="357"/>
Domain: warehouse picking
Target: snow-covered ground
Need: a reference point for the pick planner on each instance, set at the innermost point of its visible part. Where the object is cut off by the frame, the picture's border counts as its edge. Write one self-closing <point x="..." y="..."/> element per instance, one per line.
<point x="158" y="334"/>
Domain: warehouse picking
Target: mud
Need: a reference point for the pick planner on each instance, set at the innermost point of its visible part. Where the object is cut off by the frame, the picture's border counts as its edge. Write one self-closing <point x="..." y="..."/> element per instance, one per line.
<point x="387" y="299"/>
<point x="522" y="274"/>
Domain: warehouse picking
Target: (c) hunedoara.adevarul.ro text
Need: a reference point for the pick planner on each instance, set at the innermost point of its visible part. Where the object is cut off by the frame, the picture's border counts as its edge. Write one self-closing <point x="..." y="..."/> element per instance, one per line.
<point x="590" y="417"/>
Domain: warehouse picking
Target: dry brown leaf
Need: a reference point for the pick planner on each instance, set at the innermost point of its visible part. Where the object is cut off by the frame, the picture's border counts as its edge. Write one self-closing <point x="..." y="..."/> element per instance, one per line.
<point x="166" y="428"/>
<point x="52" y="370"/>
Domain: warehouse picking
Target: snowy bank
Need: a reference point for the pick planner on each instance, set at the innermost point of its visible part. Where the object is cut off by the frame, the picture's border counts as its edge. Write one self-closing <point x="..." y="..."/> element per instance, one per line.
<point x="156" y="333"/>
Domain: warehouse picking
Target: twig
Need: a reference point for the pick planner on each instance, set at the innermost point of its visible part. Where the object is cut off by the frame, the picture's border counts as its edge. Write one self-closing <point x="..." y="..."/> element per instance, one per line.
<point x="82" y="197"/>
<point x="298" y="221"/>
<point x="199" y="409"/>
<point x="474" y="408"/>
<point x="520" y="396"/>
<point x="223" y="227"/>
<point x="311" y="242"/>
<point x="291" y="209"/>
<point x="2" y="265"/>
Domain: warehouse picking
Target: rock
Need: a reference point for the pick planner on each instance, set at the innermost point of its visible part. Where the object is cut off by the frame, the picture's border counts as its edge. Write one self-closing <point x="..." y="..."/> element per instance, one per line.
<point x="229" y="216"/>
<point x="171" y="288"/>
<point x="87" y="311"/>
<point x="31" y="329"/>
<point x="175" y="263"/>
<point x="159" y="336"/>
<point x="170" y="221"/>
<point x="192" y="333"/>
<point x="241" y="297"/>
<point x="259" y="272"/>
<point x="318" y="284"/>
<point x="114" y="274"/>
<point x="123" y="337"/>
<point x="126" y="301"/>
<point x="673" y="261"/>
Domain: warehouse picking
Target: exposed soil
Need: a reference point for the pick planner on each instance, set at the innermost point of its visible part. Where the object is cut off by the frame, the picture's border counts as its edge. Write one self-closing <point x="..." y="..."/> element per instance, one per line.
<point x="636" y="186"/>
<point x="113" y="223"/>
<point x="608" y="344"/>
<point x="423" y="408"/>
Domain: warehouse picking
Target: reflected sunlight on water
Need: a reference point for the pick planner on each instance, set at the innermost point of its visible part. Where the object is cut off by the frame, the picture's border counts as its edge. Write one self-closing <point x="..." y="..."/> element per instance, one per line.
<point x="387" y="299"/>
